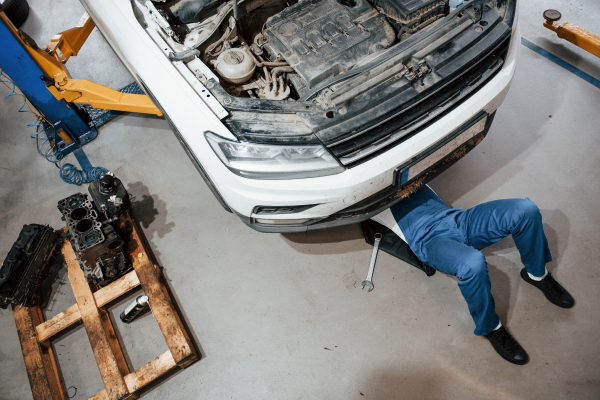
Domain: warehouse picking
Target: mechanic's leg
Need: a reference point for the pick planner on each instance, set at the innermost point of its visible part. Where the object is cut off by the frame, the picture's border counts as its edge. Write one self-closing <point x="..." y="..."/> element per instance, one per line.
<point x="489" y="222"/>
<point x="469" y="266"/>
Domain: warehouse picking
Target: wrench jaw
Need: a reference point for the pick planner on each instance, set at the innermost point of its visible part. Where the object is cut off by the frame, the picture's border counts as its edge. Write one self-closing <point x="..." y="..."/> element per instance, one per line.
<point x="369" y="284"/>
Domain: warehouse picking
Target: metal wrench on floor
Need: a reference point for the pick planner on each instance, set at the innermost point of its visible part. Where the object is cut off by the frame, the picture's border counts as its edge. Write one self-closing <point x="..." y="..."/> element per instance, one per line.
<point x="367" y="282"/>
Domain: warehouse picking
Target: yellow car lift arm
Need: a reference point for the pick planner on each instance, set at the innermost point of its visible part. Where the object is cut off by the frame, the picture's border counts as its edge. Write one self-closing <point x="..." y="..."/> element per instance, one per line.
<point x="571" y="32"/>
<point x="51" y="61"/>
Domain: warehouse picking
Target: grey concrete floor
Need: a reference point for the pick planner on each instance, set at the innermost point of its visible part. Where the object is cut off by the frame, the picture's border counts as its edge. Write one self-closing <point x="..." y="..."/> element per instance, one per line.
<point x="283" y="316"/>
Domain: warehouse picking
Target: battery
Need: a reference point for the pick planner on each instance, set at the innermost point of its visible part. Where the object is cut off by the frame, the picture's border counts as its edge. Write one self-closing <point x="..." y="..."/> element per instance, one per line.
<point x="134" y="309"/>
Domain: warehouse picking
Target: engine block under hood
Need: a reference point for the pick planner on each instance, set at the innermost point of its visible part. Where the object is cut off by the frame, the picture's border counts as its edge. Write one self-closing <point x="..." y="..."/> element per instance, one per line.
<point x="323" y="38"/>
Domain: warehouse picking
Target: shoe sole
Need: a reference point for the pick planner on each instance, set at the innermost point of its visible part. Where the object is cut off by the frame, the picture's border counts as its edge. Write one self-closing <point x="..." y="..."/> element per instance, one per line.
<point x="513" y="361"/>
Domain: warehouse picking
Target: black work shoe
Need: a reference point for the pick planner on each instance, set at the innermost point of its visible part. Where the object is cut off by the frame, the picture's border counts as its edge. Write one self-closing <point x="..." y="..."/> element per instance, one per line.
<point x="507" y="346"/>
<point x="553" y="291"/>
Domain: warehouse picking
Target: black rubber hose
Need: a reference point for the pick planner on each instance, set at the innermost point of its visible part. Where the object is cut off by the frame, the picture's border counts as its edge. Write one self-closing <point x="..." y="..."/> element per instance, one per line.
<point x="188" y="11"/>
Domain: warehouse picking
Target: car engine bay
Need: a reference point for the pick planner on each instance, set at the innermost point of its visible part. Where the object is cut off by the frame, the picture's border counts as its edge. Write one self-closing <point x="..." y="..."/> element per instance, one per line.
<point x="279" y="49"/>
<point x="354" y="76"/>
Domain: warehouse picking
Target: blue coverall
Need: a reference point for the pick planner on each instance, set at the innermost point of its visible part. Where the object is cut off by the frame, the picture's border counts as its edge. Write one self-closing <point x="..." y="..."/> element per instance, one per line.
<point x="449" y="240"/>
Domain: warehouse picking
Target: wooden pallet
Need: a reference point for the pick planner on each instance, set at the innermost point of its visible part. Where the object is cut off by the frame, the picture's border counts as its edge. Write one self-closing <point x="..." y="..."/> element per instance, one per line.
<point x="35" y="333"/>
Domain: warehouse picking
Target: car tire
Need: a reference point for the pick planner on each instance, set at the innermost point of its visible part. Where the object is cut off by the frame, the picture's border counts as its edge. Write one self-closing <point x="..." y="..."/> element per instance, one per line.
<point x="16" y="10"/>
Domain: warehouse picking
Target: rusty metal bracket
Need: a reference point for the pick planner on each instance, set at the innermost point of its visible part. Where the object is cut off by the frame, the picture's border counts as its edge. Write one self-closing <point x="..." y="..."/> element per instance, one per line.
<point x="51" y="61"/>
<point x="572" y="33"/>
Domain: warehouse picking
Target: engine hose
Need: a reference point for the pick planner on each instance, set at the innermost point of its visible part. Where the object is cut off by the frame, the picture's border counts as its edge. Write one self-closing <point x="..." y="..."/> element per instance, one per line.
<point x="266" y="63"/>
<point x="280" y="69"/>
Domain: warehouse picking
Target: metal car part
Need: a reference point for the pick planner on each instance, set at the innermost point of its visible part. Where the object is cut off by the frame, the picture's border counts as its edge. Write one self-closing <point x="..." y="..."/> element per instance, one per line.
<point x="167" y="46"/>
<point x="206" y="29"/>
<point x="99" y="247"/>
<point x="109" y="196"/>
<point x="26" y="265"/>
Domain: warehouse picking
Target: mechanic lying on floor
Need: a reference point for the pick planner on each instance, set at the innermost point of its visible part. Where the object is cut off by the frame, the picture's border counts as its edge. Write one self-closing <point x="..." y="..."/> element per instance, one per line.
<point x="449" y="240"/>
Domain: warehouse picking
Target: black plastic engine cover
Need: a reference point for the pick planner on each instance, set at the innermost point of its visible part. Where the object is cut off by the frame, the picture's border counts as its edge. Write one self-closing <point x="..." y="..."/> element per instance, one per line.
<point x="407" y="10"/>
<point x="323" y="38"/>
<point x="26" y="265"/>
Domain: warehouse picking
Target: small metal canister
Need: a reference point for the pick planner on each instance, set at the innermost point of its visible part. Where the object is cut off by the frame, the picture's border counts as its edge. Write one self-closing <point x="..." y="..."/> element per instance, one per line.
<point x="134" y="309"/>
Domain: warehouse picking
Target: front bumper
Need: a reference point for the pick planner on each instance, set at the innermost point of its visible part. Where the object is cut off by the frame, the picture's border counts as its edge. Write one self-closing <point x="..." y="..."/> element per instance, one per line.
<point x="387" y="197"/>
<point x="366" y="189"/>
<point x="329" y="196"/>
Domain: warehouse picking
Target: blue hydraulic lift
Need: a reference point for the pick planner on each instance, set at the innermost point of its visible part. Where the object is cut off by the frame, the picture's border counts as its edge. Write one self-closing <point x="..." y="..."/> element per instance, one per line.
<point x="42" y="78"/>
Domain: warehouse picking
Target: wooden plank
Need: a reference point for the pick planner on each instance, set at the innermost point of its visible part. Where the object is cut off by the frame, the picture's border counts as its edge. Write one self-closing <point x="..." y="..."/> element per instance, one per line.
<point x="49" y="358"/>
<point x="39" y="360"/>
<point x="102" y="297"/>
<point x="168" y="320"/>
<point x="150" y="371"/>
<point x="114" y="342"/>
<point x="101" y="395"/>
<point x="145" y="375"/>
<point x="58" y="323"/>
<point x="117" y="288"/>
<point x="92" y="321"/>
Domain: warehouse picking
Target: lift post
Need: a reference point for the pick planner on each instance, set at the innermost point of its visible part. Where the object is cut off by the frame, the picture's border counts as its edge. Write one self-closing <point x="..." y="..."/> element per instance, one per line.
<point x="17" y="62"/>
<point x="43" y="78"/>
<point x="52" y="58"/>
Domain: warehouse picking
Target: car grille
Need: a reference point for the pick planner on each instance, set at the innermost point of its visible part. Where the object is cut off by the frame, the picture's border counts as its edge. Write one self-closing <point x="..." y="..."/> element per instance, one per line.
<point x="399" y="127"/>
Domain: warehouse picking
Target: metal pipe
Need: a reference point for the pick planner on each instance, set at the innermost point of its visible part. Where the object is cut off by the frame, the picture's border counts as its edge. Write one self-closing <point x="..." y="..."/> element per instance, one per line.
<point x="280" y="69"/>
<point x="266" y="63"/>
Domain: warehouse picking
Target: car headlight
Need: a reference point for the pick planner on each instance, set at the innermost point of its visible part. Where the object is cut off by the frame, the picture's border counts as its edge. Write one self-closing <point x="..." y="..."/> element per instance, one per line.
<point x="277" y="161"/>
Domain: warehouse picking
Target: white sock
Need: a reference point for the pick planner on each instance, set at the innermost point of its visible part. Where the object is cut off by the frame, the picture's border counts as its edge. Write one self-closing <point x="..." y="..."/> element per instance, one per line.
<point x="498" y="327"/>
<point x="536" y="278"/>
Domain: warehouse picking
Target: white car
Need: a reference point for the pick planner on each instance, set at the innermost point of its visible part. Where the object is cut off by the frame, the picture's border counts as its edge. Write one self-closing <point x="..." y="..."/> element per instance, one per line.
<point x="309" y="114"/>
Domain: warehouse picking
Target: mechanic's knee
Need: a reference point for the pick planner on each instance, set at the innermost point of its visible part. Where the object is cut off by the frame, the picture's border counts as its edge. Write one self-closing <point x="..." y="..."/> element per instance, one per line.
<point x="526" y="209"/>
<point x="474" y="266"/>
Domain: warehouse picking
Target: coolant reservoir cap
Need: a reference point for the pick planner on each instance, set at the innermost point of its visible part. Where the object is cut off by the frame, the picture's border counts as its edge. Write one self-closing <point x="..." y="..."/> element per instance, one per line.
<point x="235" y="66"/>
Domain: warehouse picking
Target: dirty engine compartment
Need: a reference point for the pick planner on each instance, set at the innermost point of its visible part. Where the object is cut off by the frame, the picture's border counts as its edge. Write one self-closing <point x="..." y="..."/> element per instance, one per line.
<point x="329" y="71"/>
<point x="278" y="49"/>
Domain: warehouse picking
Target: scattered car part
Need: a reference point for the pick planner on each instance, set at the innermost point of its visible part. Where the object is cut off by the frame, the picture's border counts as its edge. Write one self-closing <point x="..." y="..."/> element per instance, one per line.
<point x="98" y="245"/>
<point x="26" y="265"/>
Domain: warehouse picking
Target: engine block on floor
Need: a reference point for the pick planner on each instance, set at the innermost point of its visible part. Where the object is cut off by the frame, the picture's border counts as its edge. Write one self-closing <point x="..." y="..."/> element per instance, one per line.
<point x="99" y="247"/>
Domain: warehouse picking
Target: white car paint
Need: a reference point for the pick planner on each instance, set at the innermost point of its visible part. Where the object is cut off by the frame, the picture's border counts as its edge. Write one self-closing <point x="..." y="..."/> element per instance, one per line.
<point x="192" y="116"/>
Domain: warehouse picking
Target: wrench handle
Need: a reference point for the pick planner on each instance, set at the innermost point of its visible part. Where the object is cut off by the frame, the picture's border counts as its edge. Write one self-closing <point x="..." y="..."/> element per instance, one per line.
<point x="374" y="255"/>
